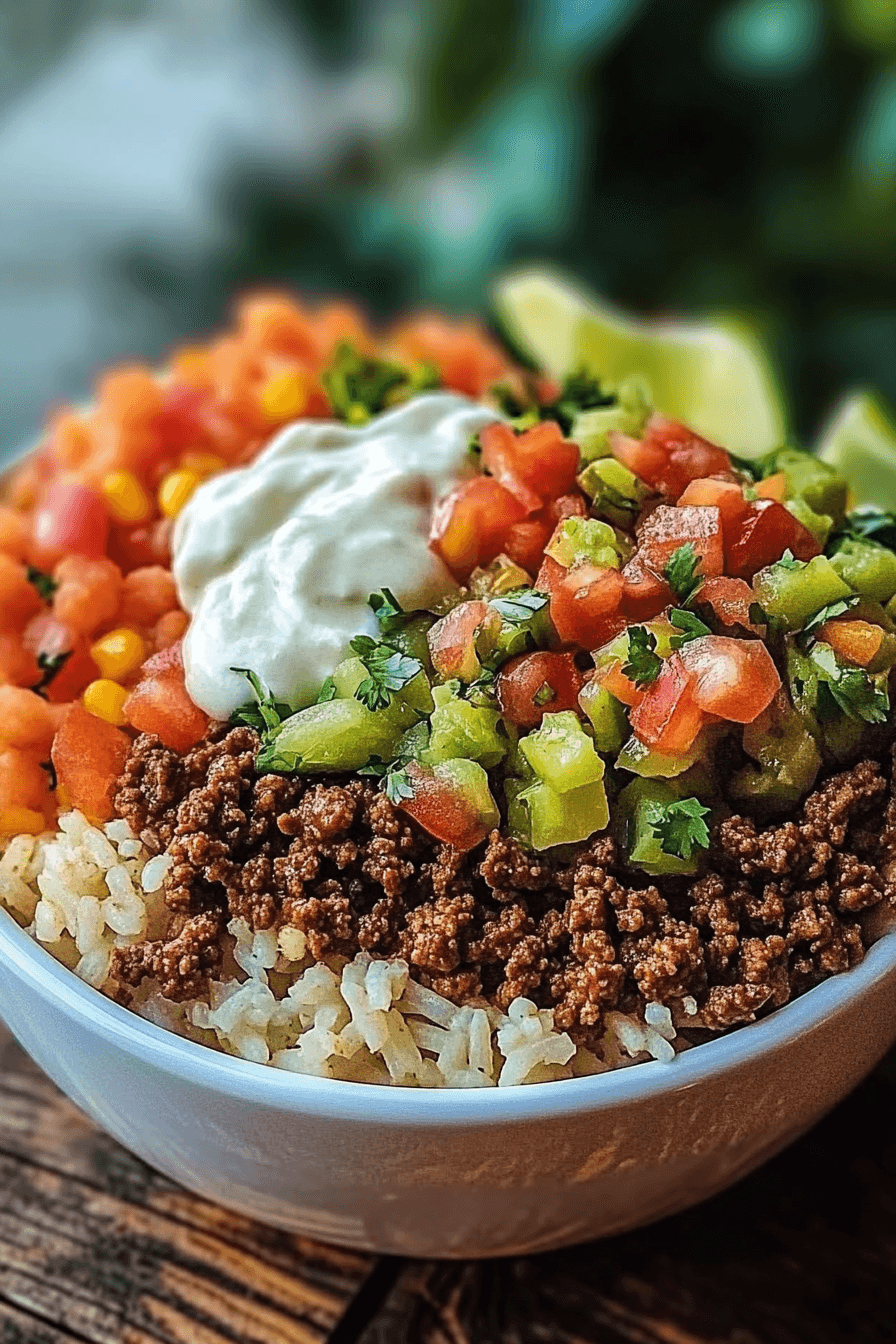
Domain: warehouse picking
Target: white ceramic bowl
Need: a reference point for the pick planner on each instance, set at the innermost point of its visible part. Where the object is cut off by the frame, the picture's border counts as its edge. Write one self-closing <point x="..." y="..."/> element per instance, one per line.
<point x="451" y="1173"/>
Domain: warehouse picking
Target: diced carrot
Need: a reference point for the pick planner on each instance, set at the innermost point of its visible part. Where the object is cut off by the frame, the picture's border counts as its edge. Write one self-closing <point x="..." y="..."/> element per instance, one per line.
<point x="17" y="820"/>
<point x="15" y="532"/>
<point x="18" y="667"/>
<point x="88" y="594"/>
<point x="857" y="641"/>
<point x="23" y="781"/>
<point x="146" y="595"/>
<point x="27" y="720"/>
<point x="19" y="599"/>
<point x="170" y="629"/>
<point x="89" y="755"/>
<point x="159" y="703"/>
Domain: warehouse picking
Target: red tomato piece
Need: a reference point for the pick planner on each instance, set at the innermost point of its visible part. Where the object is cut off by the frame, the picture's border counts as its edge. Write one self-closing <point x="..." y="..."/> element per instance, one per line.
<point x="773" y="487"/>
<point x="617" y="683"/>
<point x="646" y="460"/>
<point x="767" y="531"/>
<point x="525" y="681"/>
<point x="668" y="718"/>
<point x="442" y="810"/>
<point x="49" y="637"/>
<point x="644" y="593"/>
<point x="571" y="505"/>
<point x="159" y="703"/>
<point x="89" y="755"/>
<point x="452" y="640"/>
<point x="730" y="600"/>
<point x="669" y="455"/>
<point x="180" y="422"/>
<point x="500" y="457"/>
<point x="19" y="599"/>
<point x="717" y="492"/>
<point x="524" y="543"/>
<point x="584" y="603"/>
<point x="72" y="520"/>
<point x="666" y="529"/>
<point x="735" y="679"/>
<point x="469" y="524"/>
<point x="546" y="461"/>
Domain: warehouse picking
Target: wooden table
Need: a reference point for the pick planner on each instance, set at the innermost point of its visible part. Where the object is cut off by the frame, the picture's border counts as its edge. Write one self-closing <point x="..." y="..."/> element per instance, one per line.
<point x="96" y="1247"/>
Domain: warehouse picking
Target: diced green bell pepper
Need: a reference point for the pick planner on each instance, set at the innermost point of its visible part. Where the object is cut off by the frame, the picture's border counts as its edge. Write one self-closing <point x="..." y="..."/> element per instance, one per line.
<point x="471" y="781"/>
<point x="819" y="484"/>
<point x="407" y="704"/>
<point x="541" y="817"/>
<point x="584" y="539"/>
<point x="818" y="525"/>
<point x="411" y="640"/>
<point x="638" y="806"/>
<point x="650" y="764"/>
<point x="510" y="638"/>
<point x="337" y="735"/>
<point x="498" y="578"/>
<point x="607" y="715"/>
<point x="561" y="753"/>
<point x="787" y="762"/>
<point x="868" y="568"/>
<point x="459" y="729"/>
<point x="792" y="592"/>
<point x="629" y="414"/>
<point x="615" y="491"/>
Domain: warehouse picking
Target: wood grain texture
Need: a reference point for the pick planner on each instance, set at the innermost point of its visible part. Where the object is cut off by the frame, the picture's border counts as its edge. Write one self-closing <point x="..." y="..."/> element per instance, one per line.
<point x="96" y="1247"/>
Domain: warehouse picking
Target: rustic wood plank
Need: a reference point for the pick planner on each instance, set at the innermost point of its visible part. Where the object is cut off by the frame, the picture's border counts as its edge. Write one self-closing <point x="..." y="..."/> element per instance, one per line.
<point x="96" y="1247"/>
<point x="802" y="1252"/>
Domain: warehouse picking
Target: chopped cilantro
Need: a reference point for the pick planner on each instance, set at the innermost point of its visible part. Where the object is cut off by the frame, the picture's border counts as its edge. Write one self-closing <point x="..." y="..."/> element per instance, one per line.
<point x="264" y="713"/>
<point x="643" y="664"/>
<point x="390" y="614"/>
<point x="851" y="690"/>
<point x="45" y="584"/>
<point x="545" y="694"/>
<point x="870" y="524"/>
<point x="519" y="606"/>
<point x="691" y="627"/>
<point x="681" y="573"/>
<point x="397" y="786"/>
<point x="327" y="691"/>
<point x="484" y="684"/>
<point x="810" y="630"/>
<point x="681" y="828"/>
<point x="50" y="664"/>
<point x="359" y="387"/>
<point x="788" y="561"/>
<point x="388" y="671"/>
<point x="580" y="392"/>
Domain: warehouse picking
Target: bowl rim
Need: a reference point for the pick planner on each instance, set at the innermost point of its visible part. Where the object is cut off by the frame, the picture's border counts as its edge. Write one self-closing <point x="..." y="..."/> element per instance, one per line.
<point x="23" y="958"/>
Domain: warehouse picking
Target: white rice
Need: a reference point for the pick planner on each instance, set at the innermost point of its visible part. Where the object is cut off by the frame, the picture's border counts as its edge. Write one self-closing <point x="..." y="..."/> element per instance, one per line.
<point x="86" y="891"/>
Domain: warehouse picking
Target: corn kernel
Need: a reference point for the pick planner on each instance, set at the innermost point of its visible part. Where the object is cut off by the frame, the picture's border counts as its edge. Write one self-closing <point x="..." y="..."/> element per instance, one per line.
<point x="16" y="820"/>
<point x="119" y="653"/>
<point x="126" y="499"/>
<point x="202" y="464"/>
<point x="357" y="413"/>
<point x="105" y="699"/>
<point x="285" y="395"/>
<point x="175" y="490"/>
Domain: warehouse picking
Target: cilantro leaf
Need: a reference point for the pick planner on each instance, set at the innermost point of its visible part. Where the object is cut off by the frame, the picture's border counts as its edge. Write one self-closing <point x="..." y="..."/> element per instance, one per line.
<point x="544" y="695"/>
<point x="788" y="561"/>
<point x="387" y="609"/>
<point x="853" y="692"/>
<point x="45" y="584"/>
<point x="814" y="623"/>
<point x="680" y="827"/>
<point x="580" y="392"/>
<point x="398" y="786"/>
<point x="359" y="387"/>
<point x="388" y="671"/>
<point x="50" y="664"/>
<point x="264" y="713"/>
<point x="870" y="524"/>
<point x="484" y="684"/>
<point x="327" y="691"/>
<point x="681" y="573"/>
<point x="643" y="664"/>
<point x="520" y="606"/>
<point x="691" y="627"/>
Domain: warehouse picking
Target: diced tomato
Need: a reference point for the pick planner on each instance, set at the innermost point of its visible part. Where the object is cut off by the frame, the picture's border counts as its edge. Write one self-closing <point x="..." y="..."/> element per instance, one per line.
<point x="669" y="455"/>
<point x="88" y="593"/>
<point x="19" y="599"/>
<point x="146" y="595"/>
<point x="730" y="600"/>
<point x="180" y="420"/>
<point x="18" y="667"/>
<point x="466" y="357"/>
<point x="668" y="717"/>
<point x="89" y="755"/>
<point x="666" y="529"/>
<point x="72" y="520"/>
<point x="773" y="487"/>
<point x="27" y="720"/>
<point x="22" y="781"/>
<point x="857" y="642"/>
<point x="442" y="810"/>
<point x="500" y="456"/>
<point x="717" y="492"/>
<point x="524" y="543"/>
<point x="47" y="637"/>
<point x="15" y="534"/>
<point x="469" y="524"/>
<point x="159" y="703"/>
<point x="546" y="461"/>
<point x="452" y="640"/>
<point x="141" y="547"/>
<point x="767" y="531"/>
<point x="585" y="605"/>
<point x="535" y="684"/>
<point x="170" y="629"/>
<point x="571" y="505"/>
<point x="644" y="593"/>
<point x="735" y="679"/>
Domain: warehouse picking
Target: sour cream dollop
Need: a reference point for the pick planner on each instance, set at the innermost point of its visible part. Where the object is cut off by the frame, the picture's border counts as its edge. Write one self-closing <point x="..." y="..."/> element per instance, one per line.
<point x="275" y="561"/>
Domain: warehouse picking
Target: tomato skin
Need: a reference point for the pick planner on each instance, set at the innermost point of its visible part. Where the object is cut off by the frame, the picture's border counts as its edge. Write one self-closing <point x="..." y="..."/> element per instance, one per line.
<point x="767" y="531"/>
<point x="452" y="640"/>
<point x="469" y="524"/>
<point x="718" y="492"/>
<point x="72" y="520"/>
<point x="668" y="718"/>
<point x="730" y="601"/>
<point x="644" y="594"/>
<point x="571" y="505"/>
<point x="666" y="529"/>
<point x="47" y="635"/>
<point x="617" y="683"/>
<point x="442" y="810"/>
<point x="734" y="679"/>
<point x="520" y="680"/>
<point x="669" y="455"/>
<point x="524" y="543"/>
<point x="584" y="602"/>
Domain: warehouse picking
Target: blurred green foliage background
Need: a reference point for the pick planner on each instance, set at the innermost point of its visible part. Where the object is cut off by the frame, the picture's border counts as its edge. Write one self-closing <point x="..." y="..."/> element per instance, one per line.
<point x="678" y="155"/>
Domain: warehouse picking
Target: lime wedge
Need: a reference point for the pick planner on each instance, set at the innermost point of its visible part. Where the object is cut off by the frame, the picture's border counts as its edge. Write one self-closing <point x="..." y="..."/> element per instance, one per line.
<point x="713" y="376"/>
<point x="860" y="441"/>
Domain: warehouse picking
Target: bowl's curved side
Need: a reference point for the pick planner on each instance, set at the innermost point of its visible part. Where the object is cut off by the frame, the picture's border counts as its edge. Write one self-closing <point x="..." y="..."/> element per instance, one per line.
<point x="510" y="1171"/>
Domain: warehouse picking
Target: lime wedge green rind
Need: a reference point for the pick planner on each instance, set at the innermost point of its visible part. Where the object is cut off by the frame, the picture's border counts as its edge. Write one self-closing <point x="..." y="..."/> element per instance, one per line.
<point x="860" y="441"/>
<point x="713" y="376"/>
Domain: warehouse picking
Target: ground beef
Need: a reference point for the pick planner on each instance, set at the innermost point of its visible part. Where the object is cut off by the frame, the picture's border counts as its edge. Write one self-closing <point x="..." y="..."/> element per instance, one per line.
<point x="776" y="910"/>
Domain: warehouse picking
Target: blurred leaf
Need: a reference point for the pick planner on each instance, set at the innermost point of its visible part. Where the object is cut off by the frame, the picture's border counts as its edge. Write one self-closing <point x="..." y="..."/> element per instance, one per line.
<point x="472" y="51"/>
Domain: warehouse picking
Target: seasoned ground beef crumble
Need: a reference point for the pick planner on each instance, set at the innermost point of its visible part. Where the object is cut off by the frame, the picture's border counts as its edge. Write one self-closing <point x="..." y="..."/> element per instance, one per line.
<point x="777" y="910"/>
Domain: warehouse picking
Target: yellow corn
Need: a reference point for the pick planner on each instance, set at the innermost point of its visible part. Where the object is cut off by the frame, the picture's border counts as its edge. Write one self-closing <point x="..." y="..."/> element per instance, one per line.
<point x="357" y="413"/>
<point x="175" y="490"/>
<point x="126" y="499"/>
<point x="16" y="820"/>
<point x="285" y="395"/>
<point x="105" y="699"/>
<point x="202" y="464"/>
<point x="119" y="653"/>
